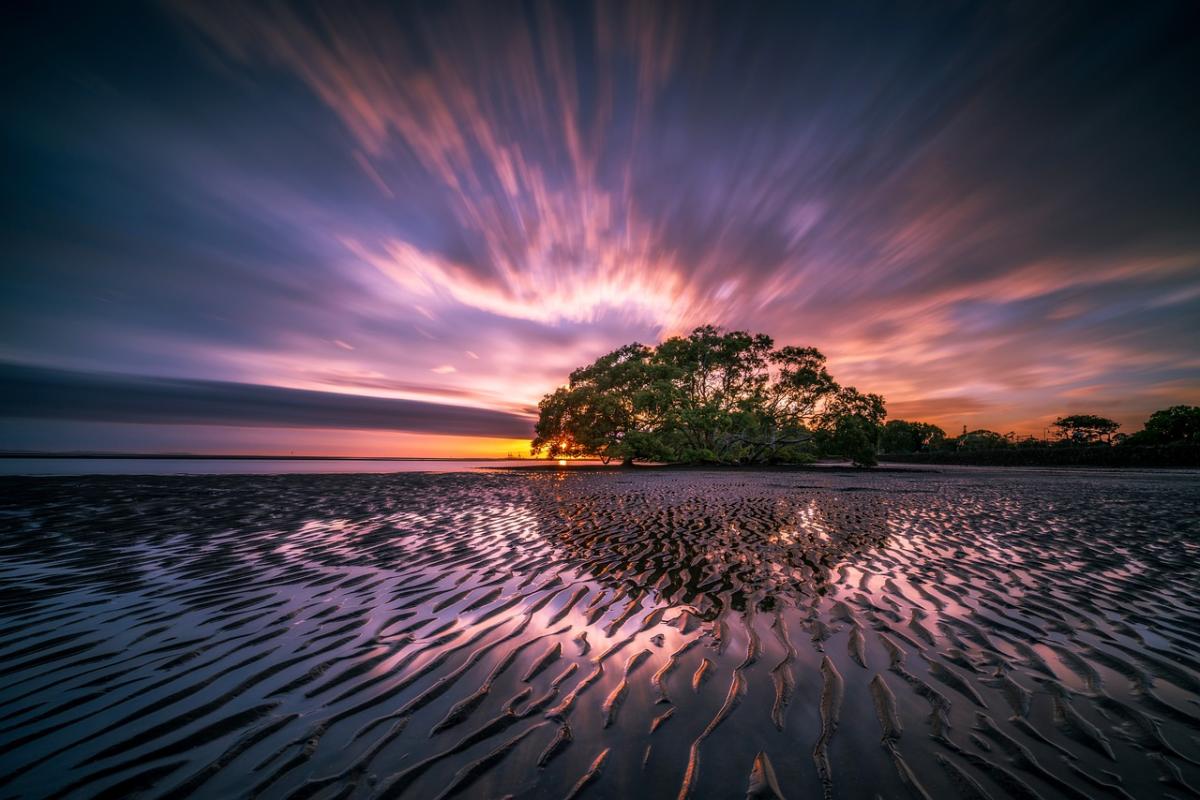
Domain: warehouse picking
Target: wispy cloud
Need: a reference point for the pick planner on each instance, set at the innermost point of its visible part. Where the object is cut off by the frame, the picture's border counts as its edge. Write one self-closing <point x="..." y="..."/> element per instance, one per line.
<point x="943" y="201"/>
<point x="39" y="393"/>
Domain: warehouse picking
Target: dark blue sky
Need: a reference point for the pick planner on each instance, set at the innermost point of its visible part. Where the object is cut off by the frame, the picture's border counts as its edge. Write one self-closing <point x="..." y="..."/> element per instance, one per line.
<point x="988" y="212"/>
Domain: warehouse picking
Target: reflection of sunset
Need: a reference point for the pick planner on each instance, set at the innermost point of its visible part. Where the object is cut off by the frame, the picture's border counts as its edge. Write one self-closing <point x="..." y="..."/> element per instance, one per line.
<point x="507" y="631"/>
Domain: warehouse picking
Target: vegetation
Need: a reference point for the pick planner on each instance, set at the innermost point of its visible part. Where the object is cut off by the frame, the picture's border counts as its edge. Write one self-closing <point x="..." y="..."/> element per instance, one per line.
<point x="731" y="397"/>
<point x="1174" y="425"/>
<point x="709" y="397"/>
<point x="901" y="436"/>
<point x="1085" y="428"/>
<point x="1170" y="438"/>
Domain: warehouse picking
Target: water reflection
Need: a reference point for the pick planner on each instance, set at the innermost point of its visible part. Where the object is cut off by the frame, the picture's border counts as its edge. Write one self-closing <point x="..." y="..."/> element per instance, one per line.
<point x="736" y="545"/>
<point x="665" y="634"/>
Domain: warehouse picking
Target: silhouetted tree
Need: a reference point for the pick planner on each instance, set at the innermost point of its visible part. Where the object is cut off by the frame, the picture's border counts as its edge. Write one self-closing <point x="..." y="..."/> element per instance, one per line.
<point x="902" y="436"/>
<point x="1083" y="429"/>
<point x="1174" y="425"/>
<point x="981" y="439"/>
<point x="852" y="425"/>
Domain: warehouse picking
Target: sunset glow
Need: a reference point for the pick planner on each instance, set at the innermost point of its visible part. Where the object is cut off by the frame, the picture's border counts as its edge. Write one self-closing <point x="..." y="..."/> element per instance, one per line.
<point x="457" y="207"/>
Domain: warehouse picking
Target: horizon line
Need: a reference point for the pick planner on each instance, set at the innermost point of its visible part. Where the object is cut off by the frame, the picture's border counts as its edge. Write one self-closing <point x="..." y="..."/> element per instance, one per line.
<point x="273" y="457"/>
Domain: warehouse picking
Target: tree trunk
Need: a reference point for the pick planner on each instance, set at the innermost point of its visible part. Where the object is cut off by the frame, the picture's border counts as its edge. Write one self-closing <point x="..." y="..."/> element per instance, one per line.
<point x="627" y="461"/>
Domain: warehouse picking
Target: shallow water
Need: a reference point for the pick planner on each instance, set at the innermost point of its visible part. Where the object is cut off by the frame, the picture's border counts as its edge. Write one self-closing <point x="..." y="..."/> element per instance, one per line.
<point x="663" y="633"/>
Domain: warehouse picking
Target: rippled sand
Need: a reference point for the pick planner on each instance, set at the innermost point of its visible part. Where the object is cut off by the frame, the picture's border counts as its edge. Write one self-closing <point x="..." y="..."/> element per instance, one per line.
<point x="968" y="633"/>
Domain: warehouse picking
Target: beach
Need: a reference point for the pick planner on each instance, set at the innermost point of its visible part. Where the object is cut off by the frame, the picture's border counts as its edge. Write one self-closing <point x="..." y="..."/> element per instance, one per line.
<point x="959" y="632"/>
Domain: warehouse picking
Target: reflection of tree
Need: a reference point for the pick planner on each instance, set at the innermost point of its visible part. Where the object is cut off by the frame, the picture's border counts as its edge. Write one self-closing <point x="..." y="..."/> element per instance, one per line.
<point x="707" y="544"/>
<point x="687" y="538"/>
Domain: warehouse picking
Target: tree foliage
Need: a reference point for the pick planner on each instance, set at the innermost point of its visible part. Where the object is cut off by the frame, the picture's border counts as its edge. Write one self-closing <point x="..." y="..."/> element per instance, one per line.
<point x="1174" y="425"/>
<point x="1080" y="429"/>
<point x="902" y="436"/>
<point x="981" y="439"/>
<point x="711" y="396"/>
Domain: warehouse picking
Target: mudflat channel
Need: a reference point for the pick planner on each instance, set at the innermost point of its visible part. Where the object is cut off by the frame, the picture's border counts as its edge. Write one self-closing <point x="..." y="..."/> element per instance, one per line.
<point x="647" y="633"/>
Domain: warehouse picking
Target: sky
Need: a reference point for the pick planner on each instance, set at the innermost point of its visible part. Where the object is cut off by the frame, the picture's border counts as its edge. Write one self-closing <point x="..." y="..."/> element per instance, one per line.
<point x="345" y="229"/>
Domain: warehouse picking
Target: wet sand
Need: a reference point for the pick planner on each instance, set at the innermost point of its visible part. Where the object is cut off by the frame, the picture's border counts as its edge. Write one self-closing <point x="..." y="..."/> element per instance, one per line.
<point x="965" y="633"/>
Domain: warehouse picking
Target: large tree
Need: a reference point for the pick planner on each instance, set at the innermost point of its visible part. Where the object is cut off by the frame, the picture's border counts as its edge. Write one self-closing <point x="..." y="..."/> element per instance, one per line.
<point x="710" y="396"/>
<point x="1174" y="425"/>
<point x="607" y="410"/>
<point x="851" y="426"/>
<point x="718" y="383"/>
<point x="1083" y="429"/>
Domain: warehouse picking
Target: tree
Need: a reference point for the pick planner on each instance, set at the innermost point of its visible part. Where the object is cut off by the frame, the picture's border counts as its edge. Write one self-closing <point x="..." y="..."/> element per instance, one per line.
<point x="604" y="410"/>
<point x="851" y="426"/>
<point x="981" y="439"/>
<point x="1084" y="429"/>
<point x="854" y="437"/>
<point x="902" y="436"/>
<point x="710" y="396"/>
<point x="718" y="384"/>
<point x="1174" y="425"/>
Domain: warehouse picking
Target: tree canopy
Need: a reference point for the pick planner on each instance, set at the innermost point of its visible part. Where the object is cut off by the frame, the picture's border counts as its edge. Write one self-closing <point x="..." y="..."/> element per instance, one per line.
<point x="1085" y="428"/>
<point x="711" y="396"/>
<point x="1174" y="425"/>
<point x="902" y="436"/>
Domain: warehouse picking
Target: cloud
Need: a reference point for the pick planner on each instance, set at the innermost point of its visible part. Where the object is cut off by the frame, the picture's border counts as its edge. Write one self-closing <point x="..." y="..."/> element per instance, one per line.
<point x="40" y="393"/>
<point x="498" y="128"/>
<point x="944" y="202"/>
<point x="935" y="407"/>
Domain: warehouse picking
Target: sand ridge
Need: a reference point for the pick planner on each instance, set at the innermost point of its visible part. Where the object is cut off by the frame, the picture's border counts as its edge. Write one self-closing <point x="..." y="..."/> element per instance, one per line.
<point x="663" y="633"/>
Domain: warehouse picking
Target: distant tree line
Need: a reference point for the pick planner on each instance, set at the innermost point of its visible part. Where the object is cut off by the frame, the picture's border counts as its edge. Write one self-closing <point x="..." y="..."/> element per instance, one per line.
<point x="1170" y="437"/>
<point x="712" y="396"/>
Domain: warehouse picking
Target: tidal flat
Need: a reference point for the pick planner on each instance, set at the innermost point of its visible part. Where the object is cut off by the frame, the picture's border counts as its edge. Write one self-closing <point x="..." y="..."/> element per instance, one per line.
<point x="622" y="633"/>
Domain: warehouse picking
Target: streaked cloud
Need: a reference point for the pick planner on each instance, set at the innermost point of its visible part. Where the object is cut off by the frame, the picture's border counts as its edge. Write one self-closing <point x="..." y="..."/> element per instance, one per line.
<point x="458" y="204"/>
<point x="39" y="393"/>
